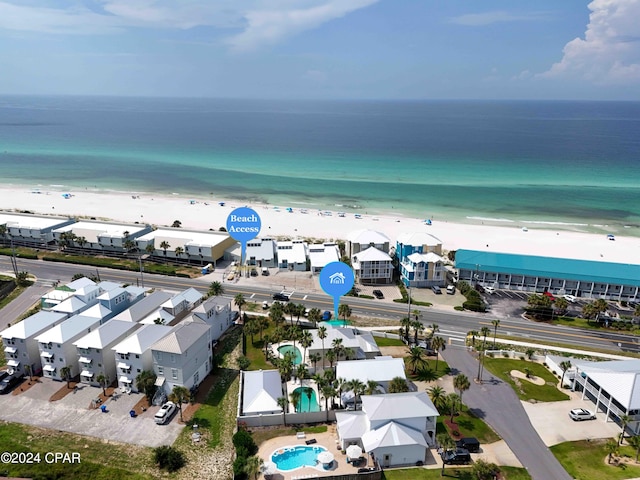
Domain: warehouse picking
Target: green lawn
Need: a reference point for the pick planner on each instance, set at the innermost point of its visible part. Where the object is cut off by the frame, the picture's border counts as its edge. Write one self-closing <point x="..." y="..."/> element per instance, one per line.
<point x="469" y="426"/>
<point x="388" y="342"/>
<point x="501" y="367"/>
<point x="586" y="460"/>
<point x="579" y="322"/>
<point x="98" y="461"/>
<point x="462" y="473"/>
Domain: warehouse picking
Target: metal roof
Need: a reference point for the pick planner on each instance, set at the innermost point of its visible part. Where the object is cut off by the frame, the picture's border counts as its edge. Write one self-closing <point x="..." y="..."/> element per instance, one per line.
<point x="534" y="266"/>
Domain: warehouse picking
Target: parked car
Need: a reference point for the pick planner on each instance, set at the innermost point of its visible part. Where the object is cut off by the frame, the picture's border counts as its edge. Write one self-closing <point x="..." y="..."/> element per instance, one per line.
<point x="570" y="298"/>
<point x="469" y="443"/>
<point x="265" y="305"/>
<point x="3" y="374"/>
<point x="459" y="456"/>
<point x="265" y="271"/>
<point x="550" y="295"/>
<point x="579" y="414"/>
<point x="378" y="294"/>
<point x="281" y="297"/>
<point x="489" y="290"/>
<point x="436" y="290"/>
<point x="451" y="289"/>
<point x="164" y="414"/>
<point x="611" y="237"/>
<point x="254" y="272"/>
<point x="326" y="316"/>
<point x="9" y="382"/>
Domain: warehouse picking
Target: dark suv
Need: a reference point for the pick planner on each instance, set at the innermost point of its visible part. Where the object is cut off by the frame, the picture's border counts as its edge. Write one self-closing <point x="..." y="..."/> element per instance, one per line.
<point x="459" y="456"/>
<point x="281" y="297"/>
<point x="9" y="382"/>
<point x="378" y="294"/>
<point x="469" y="443"/>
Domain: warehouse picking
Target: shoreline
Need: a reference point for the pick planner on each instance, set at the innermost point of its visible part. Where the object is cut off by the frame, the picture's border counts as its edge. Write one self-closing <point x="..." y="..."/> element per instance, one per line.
<point x="194" y="213"/>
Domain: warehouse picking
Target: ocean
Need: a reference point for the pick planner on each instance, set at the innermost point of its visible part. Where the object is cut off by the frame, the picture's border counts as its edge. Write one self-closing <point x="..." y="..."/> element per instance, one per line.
<point x="562" y="163"/>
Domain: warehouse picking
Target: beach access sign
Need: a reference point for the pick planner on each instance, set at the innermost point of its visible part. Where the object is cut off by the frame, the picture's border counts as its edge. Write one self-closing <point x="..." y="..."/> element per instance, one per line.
<point x="243" y="224"/>
<point x="336" y="279"/>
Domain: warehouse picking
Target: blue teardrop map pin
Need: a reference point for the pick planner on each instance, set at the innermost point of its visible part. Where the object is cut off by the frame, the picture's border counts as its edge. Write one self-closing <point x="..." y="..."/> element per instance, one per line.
<point x="336" y="279"/>
<point x="243" y="224"/>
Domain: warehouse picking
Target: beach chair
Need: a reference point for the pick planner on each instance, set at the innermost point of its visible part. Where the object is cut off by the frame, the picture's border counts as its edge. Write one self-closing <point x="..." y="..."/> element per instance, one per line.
<point x="300" y="435"/>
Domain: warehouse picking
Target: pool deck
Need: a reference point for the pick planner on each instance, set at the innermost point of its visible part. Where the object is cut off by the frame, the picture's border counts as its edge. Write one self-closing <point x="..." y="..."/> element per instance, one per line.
<point x="327" y="440"/>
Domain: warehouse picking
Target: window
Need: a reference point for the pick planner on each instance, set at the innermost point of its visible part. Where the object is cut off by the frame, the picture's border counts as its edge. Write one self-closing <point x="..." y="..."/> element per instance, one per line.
<point x="173" y="358"/>
<point x="137" y="356"/>
<point x="160" y="370"/>
<point x="174" y="373"/>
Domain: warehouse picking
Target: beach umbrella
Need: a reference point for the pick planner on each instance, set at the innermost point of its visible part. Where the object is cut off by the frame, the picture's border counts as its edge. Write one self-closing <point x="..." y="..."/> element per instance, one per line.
<point x="325" y="457"/>
<point x="269" y="468"/>
<point x="354" y="451"/>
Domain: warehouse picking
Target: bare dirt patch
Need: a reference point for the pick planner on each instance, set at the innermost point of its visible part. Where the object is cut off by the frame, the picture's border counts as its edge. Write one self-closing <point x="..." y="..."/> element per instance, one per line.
<point x="63" y="391"/>
<point x="26" y="385"/>
<point x="531" y="378"/>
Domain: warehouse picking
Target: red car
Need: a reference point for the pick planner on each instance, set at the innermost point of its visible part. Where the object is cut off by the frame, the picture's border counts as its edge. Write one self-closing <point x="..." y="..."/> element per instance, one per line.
<point x="551" y="297"/>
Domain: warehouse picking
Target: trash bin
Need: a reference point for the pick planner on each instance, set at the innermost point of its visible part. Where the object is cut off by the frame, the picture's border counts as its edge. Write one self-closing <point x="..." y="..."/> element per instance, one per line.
<point x="103" y="408"/>
<point x="132" y="413"/>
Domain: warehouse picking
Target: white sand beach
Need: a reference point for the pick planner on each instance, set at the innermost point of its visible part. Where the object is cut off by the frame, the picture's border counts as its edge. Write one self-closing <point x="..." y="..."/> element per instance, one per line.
<point x="203" y="214"/>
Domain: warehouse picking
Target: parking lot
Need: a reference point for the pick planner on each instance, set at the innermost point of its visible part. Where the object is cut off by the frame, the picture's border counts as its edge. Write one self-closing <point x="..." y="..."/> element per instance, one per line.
<point x="73" y="414"/>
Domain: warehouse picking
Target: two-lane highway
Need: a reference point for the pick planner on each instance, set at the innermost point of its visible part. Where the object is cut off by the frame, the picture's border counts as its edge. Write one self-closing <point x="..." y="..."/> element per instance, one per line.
<point x="452" y="323"/>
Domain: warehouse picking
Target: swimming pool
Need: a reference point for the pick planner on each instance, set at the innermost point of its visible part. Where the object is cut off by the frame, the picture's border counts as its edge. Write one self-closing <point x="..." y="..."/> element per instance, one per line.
<point x="291" y="458"/>
<point x="335" y="323"/>
<point x="297" y="356"/>
<point x="308" y="401"/>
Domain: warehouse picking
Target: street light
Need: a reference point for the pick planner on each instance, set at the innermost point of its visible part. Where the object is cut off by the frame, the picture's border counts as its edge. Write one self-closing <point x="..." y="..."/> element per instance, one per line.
<point x="140" y="259"/>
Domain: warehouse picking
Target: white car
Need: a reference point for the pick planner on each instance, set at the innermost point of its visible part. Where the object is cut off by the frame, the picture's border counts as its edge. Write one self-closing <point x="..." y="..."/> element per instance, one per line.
<point x="579" y="414"/>
<point x="165" y="412"/>
<point x="570" y="298"/>
<point x="490" y="290"/>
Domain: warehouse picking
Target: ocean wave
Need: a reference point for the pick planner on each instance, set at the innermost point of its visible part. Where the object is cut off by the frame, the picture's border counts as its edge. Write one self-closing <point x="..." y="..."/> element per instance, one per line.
<point x="489" y="219"/>
<point x="570" y="224"/>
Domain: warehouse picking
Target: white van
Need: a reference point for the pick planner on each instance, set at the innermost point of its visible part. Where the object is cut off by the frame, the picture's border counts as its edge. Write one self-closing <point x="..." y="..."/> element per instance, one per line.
<point x="451" y="289"/>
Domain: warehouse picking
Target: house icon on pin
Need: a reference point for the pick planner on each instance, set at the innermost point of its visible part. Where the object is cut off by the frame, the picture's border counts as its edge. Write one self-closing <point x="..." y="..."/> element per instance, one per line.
<point x="337" y="278"/>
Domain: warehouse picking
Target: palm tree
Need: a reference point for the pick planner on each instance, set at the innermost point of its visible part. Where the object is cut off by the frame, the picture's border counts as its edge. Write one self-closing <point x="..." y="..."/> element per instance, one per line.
<point x="150" y="249"/>
<point x="461" y="384"/>
<point x="344" y="311"/>
<point x="438" y="344"/>
<point x="484" y="331"/>
<point x="446" y="443"/>
<point x="564" y="366"/>
<point x="315" y="315"/>
<point x="438" y="396"/>
<point x="239" y="302"/>
<point x="306" y="340"/>
<point x="146" y="383"/>
<point x="65" y="372"/>
<point x="406" y="323"/>
<point x="418" y="327"/>
<point x="27" y="369"/>
<point x="315" y="358"/>
<point x="328" y="392"/>
<point x="164" y="245"/>
<point x="103" y="381"/>
<point x="453" y="404"/>
<point x="337" y="347"/>
<point x="322" y="334"/>
<point x="178" y="251"/>
<point x="358" y="388"/>
<point x="276" y="313"/>
<point x="371" y="387"/>
<point x="624" y="420"/>
<point x="341" y="385"/>
<point x="283" y="403"/>
<point x="180" y="395"/>
<point x="295" y="397"/>
<point x="302" y="372"/>
<point x="290" y="309"/>
<point x="495" y="324"/>
<point x="611" y="447"/>
<point x="331" y="356"/>
<point x="398" y="385"/>
<point x="635" y="443"/>
<point x="473" y="334"/>
<point x="416" y="359"/>
<point x="253" y="466"/>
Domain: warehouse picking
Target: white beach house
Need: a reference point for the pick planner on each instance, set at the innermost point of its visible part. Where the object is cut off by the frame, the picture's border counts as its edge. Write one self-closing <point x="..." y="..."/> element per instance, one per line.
<point x="373" y="267"/>
<point x="30" y="230"/>
<point x="183" y="357"/>
<point x="260" y="392"/>
<point x="94" y="235"/>
<point x="360" y="240"/>
<point x="321" y="254"/>
<point x="133" y="354"/>
<point x="20" y="344"/>
<point x="292" y="255"/>
<point x="397" y="428"/>
<point x="56" y="345"/>
<point x="94" y="350"/>
<point x="215" y="312"/>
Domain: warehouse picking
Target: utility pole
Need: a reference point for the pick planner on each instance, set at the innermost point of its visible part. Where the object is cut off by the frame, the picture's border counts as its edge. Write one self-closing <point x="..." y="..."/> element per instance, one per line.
<point x="14" y="263"/>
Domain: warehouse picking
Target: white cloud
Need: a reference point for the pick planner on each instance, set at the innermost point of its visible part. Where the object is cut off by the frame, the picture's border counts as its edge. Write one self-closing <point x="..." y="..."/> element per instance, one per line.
<point x="488" y="18"/>
<point x="260" y="22"/>
<point x="270" y="25"/>
<point x="610" y="51"/>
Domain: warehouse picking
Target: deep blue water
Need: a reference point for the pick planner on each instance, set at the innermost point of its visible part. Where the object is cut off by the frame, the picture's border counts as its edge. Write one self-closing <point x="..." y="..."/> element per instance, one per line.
<point x="536" y="161"/>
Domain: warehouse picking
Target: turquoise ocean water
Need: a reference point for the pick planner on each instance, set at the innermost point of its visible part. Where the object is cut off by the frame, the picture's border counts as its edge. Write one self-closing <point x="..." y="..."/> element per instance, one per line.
<point x="570" y="163"/>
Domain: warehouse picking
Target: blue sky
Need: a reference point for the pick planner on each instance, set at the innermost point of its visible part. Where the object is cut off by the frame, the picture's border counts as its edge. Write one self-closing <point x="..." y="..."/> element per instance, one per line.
<point x="387" y="49"/>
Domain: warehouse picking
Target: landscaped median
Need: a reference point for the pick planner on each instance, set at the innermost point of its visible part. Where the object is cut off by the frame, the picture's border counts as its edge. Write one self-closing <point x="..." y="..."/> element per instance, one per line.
<point x="589" y="460"/>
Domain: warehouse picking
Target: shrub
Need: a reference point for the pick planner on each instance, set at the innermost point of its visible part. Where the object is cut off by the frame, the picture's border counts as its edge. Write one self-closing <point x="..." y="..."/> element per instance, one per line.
<point x="168" y="458"/>
<point x="505" y="354"/>
<point x="243" y="439"/>
<point x="474" y="306"/>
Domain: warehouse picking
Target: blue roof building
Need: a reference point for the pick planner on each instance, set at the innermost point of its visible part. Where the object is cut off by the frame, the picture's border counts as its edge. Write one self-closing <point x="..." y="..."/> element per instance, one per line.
<point x="582" y="278"/>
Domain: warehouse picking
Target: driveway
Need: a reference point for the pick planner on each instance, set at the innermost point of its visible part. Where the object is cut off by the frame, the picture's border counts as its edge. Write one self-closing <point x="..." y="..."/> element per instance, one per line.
<point x="72" y="414"/>
<point x="496" y="403"/>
